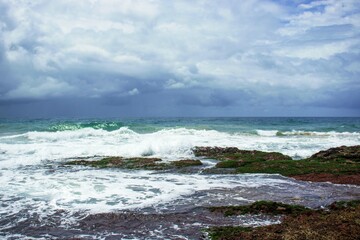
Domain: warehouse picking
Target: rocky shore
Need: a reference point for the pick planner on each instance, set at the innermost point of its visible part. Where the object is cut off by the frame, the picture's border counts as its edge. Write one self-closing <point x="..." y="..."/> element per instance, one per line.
<point x="339" y="165"/>
<point x="339" y="220"/>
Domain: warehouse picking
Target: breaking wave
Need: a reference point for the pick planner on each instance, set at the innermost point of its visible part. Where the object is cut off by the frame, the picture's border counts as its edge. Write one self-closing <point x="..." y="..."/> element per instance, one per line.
<point x="169" y="143"/>
<point x="273" y="133"/>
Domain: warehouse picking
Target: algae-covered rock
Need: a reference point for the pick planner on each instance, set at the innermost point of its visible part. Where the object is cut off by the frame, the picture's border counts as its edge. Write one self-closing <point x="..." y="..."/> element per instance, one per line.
<point x="137" y="163"/>
<point x="235" y="154"/>
<point x="126" y="163"/>
<point x="214" y="151"/>
<point x="339" y="222"/>
<point x="229" y="164"/>
<point x="351" y="153"/>
<point x="186" y="163"/>
<point x="261" y="207"/>
<point x="338" y="165"/>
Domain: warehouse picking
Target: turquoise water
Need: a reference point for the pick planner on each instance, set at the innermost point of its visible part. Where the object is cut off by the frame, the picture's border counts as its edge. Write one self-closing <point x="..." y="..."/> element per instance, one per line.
<point x="148" y="125"/>
<point x="32" y="141"/>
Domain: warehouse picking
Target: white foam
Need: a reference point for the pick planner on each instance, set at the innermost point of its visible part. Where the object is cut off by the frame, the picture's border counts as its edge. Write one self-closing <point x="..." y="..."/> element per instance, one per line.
<point x="31" y="178"/>
<point x="107" y="190"/>
<point x="319" y="134"/>
<point x="33" y="148"/>
<point x="267" y="133"/>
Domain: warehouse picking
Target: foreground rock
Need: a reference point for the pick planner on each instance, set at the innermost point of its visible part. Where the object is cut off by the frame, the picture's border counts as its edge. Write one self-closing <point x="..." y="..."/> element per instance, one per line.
<point x="261" y="207"/>
<point x="339" y="221"/>
<point x="337" y="165"/>
<point x="328" y="177"/>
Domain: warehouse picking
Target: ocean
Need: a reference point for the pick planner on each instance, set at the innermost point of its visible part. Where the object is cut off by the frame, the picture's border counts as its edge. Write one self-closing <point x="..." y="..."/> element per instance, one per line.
<point x="41" y="197"/>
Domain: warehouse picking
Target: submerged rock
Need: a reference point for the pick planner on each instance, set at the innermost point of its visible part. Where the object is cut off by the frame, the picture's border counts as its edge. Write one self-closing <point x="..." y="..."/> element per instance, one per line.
<point x="261" y="207"/>
<point x="137" y="163"/>
<point x="186" y="163"/>
<point x="126" y="163"/>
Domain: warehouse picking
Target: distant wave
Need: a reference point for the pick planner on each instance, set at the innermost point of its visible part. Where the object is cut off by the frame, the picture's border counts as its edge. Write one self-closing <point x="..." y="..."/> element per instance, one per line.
<point x="108" y="126"/>
<point x="274" y="133"/>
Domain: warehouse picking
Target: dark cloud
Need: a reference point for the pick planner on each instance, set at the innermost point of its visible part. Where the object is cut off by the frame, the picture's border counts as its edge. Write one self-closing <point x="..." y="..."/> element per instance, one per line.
<point x="163" y="58"/>
<point x="346" y="99"/>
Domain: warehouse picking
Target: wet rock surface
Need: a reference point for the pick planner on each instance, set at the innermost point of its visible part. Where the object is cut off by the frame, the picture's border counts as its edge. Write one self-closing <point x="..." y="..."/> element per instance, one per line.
<point x="339" y="222"/>
<point x="136" y="163"/>
<point x="184" y="218"/>
<point x="327" y="177"/>
<point x="182" y="225"/>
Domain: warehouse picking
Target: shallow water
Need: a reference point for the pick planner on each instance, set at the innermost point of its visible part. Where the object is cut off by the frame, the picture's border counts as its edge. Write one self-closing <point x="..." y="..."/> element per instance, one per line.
<point x="55" y="200"/>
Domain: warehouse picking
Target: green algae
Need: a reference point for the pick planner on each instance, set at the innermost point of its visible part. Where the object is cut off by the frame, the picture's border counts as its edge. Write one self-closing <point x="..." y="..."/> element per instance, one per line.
<point x="260" y="207"/>
<point x="339" y="221"/>
<point x="230" y="232"/>
<point x="336" y="161"/>
<point x="186" y="163"/>
<point x="136" y="163"/>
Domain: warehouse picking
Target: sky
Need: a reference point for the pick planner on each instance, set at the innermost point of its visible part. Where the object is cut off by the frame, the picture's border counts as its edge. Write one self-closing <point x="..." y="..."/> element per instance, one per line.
<point x="158" y="58"/>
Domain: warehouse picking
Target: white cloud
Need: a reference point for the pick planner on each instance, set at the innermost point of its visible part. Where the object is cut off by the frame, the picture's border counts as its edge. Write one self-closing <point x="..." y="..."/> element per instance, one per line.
<point x="133" y="92"/>
<point x="106" y="47"/>
<point x="40" y="88"/>
<point x="173" y="84"/>
<point x="316" y="51"/>
<point x="329" y="13"/>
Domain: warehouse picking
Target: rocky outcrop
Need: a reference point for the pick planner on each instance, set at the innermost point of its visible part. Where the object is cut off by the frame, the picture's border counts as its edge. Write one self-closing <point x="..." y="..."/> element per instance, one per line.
<point x="337" y="165"/>
<point x="186" y="163"/>
<point x="339" y="153"/>
<point x="353" y="179"/>
<point x="214" y="151"/>
<point x="233" y="153"/>
<point x="126" y="163"/>
<point x="137" y="163"/>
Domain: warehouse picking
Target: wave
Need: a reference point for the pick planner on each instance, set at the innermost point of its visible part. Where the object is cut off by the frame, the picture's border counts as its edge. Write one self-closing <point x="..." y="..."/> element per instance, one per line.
<point x="33" y="147"/>
<point x="276" y="133"/>
<point x="108" y="126"/>
<point x="79" y="133"/>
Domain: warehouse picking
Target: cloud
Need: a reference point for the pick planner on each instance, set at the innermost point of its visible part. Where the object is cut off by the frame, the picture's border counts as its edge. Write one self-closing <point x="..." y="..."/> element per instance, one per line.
<point x="206" y="54"/>
<point x="133" y="92"/>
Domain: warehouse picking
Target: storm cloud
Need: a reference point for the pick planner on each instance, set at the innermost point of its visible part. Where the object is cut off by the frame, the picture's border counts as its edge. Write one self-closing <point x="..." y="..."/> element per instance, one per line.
<point x="179" y="58"/>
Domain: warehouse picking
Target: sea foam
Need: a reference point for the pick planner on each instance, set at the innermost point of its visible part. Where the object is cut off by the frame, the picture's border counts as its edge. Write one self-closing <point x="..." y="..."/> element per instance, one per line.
<point x="33" y="148"/>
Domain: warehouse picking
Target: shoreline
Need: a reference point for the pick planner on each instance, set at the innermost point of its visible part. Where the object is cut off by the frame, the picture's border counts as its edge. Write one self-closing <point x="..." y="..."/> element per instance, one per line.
<point x="218" y="212"/>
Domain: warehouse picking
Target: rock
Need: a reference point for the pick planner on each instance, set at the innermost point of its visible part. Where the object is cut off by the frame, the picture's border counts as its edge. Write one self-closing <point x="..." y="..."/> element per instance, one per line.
<point x="137" y="163"/>
<point x="211" y="151"/>
<point x="126" y="163"/>
<point x="233" y="153"/>
<point x="346" y="153"/>
<point x="186" y="163"/>
<point x="229" y="164"/>
<point x="328" y="177"/>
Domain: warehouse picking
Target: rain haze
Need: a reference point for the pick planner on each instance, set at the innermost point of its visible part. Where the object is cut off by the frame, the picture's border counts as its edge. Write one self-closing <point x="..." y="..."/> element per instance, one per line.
<point x="134" y="58"/>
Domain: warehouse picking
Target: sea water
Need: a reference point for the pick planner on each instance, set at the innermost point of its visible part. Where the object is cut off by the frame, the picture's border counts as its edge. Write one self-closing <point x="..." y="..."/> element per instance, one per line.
<point x="35" y="180"/>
